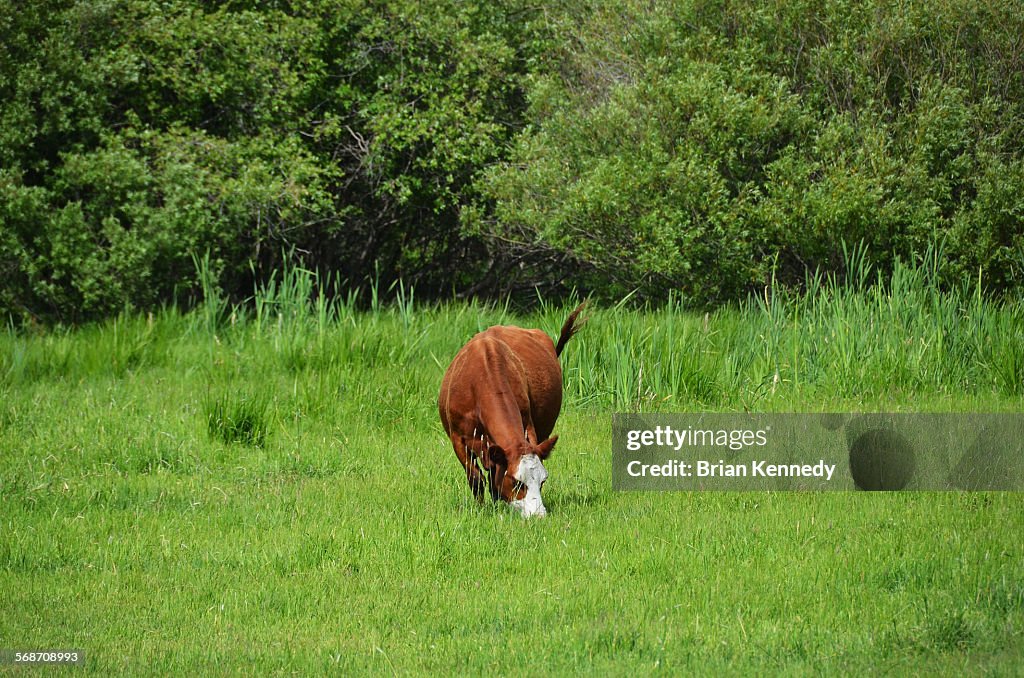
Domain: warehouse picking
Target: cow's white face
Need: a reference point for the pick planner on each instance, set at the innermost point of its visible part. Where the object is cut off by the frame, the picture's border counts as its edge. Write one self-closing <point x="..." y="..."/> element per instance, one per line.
<point x="530" y="476"/>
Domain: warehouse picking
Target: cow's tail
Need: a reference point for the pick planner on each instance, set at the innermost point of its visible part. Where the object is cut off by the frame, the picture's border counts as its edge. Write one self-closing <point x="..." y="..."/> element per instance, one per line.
<point x="570" y="328"/>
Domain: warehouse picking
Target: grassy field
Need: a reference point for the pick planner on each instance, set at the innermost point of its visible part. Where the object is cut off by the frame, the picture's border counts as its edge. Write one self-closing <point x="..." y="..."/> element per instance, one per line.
<point x="227" y="491"/>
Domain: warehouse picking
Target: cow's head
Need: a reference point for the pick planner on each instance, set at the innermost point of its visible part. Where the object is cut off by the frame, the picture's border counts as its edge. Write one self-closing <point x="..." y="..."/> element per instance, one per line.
<point x="517" y="476"/>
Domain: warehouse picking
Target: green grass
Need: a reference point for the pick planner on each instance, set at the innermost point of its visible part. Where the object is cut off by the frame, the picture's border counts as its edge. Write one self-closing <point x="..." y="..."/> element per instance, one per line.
<point x="238" y="419"/>
<point x="271" y="491"/>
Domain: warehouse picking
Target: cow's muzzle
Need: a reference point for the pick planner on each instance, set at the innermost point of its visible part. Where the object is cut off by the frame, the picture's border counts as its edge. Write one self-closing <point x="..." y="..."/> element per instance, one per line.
<point x="530" y="507"/>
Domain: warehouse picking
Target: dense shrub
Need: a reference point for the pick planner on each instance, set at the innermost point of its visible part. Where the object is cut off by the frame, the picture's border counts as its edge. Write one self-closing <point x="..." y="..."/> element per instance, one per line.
<point x="137" y="135"/>
<point x="710" y="147"/>
<point x="704" y="147"/>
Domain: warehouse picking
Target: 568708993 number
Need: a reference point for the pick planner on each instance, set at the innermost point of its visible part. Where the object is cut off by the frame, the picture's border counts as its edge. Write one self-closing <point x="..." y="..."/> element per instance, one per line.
<point x="41" y="656"/>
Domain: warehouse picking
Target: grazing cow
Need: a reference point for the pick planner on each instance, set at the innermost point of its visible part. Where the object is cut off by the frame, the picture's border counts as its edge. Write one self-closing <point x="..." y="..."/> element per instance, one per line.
<point x="499" y="401"/>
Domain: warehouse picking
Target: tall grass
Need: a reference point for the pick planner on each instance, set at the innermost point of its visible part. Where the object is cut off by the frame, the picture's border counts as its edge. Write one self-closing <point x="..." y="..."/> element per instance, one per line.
<point x="839" y="340"/>
<point x="863" y="338"/>
<point x="301" y="360"/>
<point x="238" y="419"/>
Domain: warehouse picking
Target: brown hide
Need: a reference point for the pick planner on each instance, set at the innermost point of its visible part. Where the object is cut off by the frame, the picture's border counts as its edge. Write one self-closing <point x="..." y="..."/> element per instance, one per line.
<point x="499" y="401"/>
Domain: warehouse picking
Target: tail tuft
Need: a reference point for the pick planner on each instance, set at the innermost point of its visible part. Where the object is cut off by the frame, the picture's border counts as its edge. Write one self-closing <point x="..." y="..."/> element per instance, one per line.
<point x="570" y="328"/>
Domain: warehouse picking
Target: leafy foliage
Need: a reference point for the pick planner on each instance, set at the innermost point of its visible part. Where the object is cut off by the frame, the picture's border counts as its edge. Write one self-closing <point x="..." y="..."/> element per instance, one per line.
<point x="138" y="135"/>
<point x="714" y="148"/>
<point x="705" y="148"/>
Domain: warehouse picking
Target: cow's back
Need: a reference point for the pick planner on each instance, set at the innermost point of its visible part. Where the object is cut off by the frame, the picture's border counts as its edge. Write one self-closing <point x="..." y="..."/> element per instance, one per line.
<point x="536" y="354"/>
<point x="484" y="369"/>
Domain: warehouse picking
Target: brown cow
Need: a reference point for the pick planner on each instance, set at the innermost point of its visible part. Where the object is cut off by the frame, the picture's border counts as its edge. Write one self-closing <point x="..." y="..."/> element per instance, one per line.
<point x="499" y="401"/>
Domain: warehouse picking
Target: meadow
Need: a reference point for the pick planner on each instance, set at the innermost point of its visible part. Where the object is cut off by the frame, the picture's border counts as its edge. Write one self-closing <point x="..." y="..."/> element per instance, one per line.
<point x="266" y="488"/>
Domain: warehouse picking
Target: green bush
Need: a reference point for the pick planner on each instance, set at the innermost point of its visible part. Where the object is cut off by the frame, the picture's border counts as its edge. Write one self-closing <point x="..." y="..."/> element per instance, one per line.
<point x="701" y="148"/>
<point x="711" y="148"/>
<point x="117" y="226"/>
<point x="137" y="135"/>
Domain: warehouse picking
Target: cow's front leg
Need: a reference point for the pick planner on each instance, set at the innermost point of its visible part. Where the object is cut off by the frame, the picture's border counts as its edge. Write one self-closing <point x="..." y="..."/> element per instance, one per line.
<point x="469" y="462"/>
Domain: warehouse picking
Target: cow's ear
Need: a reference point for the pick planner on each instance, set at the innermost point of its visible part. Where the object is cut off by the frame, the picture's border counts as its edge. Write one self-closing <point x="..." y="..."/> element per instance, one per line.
<point x="544" y="448"/>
